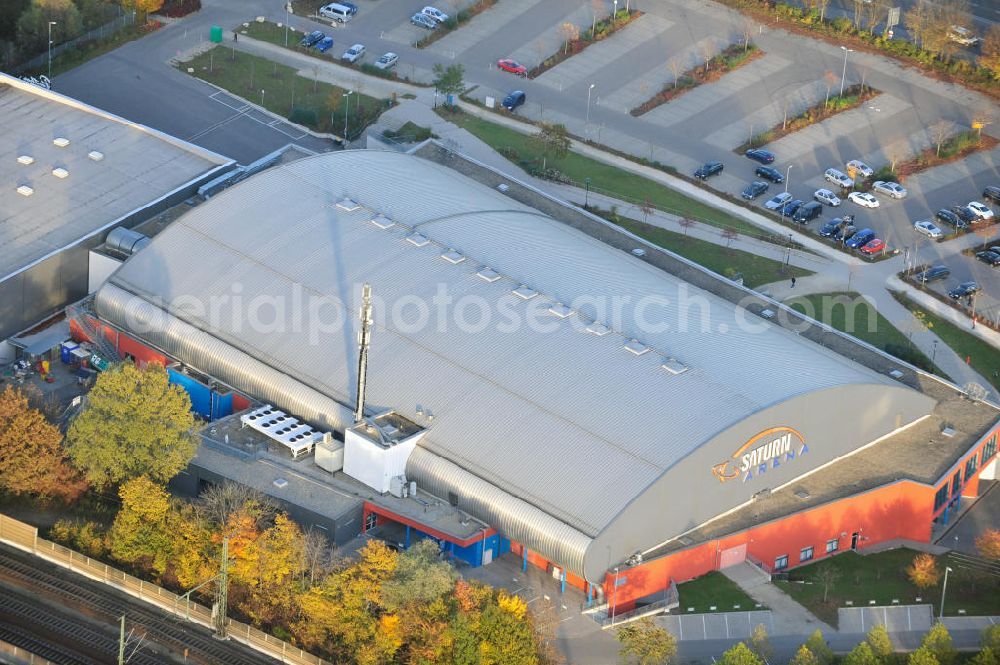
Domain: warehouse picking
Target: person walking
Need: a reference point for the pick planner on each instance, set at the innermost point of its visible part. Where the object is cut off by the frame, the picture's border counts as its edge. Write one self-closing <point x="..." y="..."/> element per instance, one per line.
<point x="793" y="282"/>
<point x="236" y="36"/>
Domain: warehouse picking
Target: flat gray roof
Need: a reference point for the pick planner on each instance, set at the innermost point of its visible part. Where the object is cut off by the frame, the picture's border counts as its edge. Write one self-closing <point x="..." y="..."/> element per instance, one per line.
<point x="136" y="167"/>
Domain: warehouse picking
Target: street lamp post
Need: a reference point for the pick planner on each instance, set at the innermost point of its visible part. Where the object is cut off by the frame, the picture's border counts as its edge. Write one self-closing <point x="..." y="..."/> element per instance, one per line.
<point x="262" y="97"/>
<point x="787" y="172"/>
<point x="934" y="352"/>
<point x="347" y="104"/>
<point x="944" y="588"/>
<point x="843" y="74"/>
<point x="586" y="197"/>
<point x="614" y="597"/>
<point x="51" y="23"/>
<point x="589" y="91"/>
<point x="288" y="6"/>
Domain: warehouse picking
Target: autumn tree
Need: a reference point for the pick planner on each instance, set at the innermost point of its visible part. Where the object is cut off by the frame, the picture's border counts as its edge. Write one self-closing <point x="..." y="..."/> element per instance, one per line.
<point x="449" y="80"/>
<point x="818" y="646"/>
<point x="804" y="657"/>
<point x="32" y="460"/>
<point x="134" y="424"/>
<point x="879" y="641"/>
<point x="988" y="544"/>
<point x="569" y="33"/>
<point x="140" y="533"/>
<point x="827" y="575"/>
<point x="266" y="569"/>
<point x="830" y="79"/>
<point x="986" y="656"/>
<point x="223" y="501"/>
<point x="989" y="50"/>
<point x="674" y="64"/>
<point x="924" y="572"/>
<point x="645" y="643"/>
<point x="420" y="577"/>
<point x="922" y="656"/>
<point x="939" y="132"/>
<point x="938" y="641"/>
<point x="739" y="655"/>
<point x="552" y="140"/>
<point x="505" y="633"/>
<point x="760" y="643"/>
<point x="142" y="7"/>
<point x="991" y="637"/>
<point x="862" y="654"/>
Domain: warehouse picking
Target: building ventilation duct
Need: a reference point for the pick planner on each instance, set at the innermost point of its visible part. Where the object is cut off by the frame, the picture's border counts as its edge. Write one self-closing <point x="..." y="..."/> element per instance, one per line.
<point x="125" y="242"/>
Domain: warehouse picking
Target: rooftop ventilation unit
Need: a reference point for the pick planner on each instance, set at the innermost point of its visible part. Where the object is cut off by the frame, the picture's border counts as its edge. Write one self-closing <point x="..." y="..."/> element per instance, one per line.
<point x="24" y="190"/>
<point x="560" y="310"/>
<point x="125" y="242"/>
<point x="60" y="142"/>
<point x="417" y="240"/>
<point x="636" y="347"/>
<point x="347" y="204"/>
<point x="95" y="155"/>
<point x="25" y="159"/>
<point x="948" y="431"/>
<point x="383" y="222"/>
<point x="60" y="172"/>
<point x="598" y="328"/>
<point x="525" y="292"/>
<point x="503" y="187"/>
<point x="488" y="275"/>
<point x="451" y="256"/>
<point x="674" y="366"/>
<point x="802" y="493"/>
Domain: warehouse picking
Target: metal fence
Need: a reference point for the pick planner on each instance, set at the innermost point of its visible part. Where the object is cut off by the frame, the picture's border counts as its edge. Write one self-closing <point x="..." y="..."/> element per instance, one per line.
<point x="25" y="537"/>
<point x="99" y="32"/>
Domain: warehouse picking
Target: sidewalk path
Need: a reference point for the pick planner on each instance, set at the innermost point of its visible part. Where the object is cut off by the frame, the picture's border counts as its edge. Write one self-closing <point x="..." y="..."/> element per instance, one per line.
<point x="790" y="617"/>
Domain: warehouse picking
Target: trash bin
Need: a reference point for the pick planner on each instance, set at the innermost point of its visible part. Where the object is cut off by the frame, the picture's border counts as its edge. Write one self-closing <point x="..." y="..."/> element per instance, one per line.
<point x="215" y="34"/>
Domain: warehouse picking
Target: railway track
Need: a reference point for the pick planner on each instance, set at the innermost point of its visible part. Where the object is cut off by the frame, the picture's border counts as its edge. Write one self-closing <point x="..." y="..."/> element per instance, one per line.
<point x="62" y="610"/>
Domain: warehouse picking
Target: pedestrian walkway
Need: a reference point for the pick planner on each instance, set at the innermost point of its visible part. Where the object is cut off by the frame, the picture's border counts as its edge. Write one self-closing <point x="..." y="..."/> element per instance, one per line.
<point x="790" y="617"/>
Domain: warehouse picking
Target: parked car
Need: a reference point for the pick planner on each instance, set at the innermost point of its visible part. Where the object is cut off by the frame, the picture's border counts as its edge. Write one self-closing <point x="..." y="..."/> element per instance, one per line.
<point x="873" y="246"/>
<point x="708" y="169"/>
<point x="982" y="212"/>
<point x="338" y="11"/>
<point x="324" y="44"/>
<point x="964" y="289"/>
<point x="762" y="156"/>
<point x="789" y="208"/>
<point x="860" y="239"/>
<point x="965" y="213"/>
<point x="778" y="201"/>
<point x="513" y="100"/>
<point x="354" y="53"/>
<point x="928" y="228"/>
<point x="862" y="168"/>
<point x="837" y="227"/>
<point x="891" y="189"/>
<point x="863" y="199"/>
<point x="808" y="212"/>
<point x="948" y="217"/>
<point x="838" y="178"/>
<point x="434" y="13"/>
<point x="932" y="273"/>
<point x="312" y="38"/>
<point x="827" y="197"/>
<point x="770" y="173"/>
<point x="512" y="66"/>
<point x="962" y="36"/>
<point x="754" y="189"/>
<point x="989" y="257"/>
<point x="992" y="193"/>
<point x="423" y="21"/>
<point x="387" y="61"/>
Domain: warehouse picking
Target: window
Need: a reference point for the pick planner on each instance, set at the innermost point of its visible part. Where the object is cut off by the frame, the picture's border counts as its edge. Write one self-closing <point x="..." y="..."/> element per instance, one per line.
<point x="781" y="562"/>
<point x="990" y="449"/>
<point x="806" y="554"/>
<point x="371" y="519"/>
<point x="941" y="497"/>
<point x="970" y="467"/>
<point x="832" y="545"/>
<point x="956" y="483"/>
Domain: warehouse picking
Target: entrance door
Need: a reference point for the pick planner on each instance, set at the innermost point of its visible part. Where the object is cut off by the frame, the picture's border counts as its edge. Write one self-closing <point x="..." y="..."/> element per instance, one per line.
<point x="487" y="556"/>
<point x="854" y="540"/>
<point x="733" y="556"/>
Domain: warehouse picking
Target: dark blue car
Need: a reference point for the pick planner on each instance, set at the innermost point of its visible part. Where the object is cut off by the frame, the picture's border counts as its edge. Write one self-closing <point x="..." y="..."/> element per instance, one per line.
<point x="789" y="208"/>
<point x="758" y="155"/>
<point x="860" y="238"/>
<point x="312" y="38"/>
<point x="324" y="44"/>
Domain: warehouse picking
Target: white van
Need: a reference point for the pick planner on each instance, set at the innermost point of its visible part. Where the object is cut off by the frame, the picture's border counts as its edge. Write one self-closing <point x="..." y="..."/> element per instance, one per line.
<point x="337" y="12"/>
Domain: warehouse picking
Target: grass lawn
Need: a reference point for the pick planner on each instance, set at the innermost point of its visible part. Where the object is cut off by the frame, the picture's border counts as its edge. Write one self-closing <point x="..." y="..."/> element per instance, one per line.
<point x="713" y="589"/>
<point x="317" y="105"/>
<point x="611" y="180"/>
<point x="854" y="319"/>
<point x="983" y="357"/>
<point x="756" y="270"/>
<point x="881" y="577"/>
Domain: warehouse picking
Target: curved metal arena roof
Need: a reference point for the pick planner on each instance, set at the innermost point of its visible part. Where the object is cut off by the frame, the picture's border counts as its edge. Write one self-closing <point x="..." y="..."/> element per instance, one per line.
<point x="549" y="434"/>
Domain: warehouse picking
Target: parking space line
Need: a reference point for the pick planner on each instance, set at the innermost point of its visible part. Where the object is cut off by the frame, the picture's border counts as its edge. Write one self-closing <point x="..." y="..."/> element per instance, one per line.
<point x="704" y="628"/>
<point x="727" y="624"/>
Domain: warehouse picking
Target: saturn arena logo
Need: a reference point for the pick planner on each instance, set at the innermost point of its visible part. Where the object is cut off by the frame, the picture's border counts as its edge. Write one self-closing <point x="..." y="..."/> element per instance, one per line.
<point x="767" y="450"/>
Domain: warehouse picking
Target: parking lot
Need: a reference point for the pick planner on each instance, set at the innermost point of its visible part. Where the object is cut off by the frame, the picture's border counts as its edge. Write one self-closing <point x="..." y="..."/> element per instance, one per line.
<point x="899" y="618"/>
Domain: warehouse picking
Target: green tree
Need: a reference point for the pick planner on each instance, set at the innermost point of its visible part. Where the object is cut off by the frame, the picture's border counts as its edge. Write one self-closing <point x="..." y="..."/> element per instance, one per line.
<point x="449" y="80"/>
<point x="645" y="643"/>
<point x="740" y="655"/>
<point x="819" y="647"/>
<point x="760" y="644"/>
<point x="861" y="655"/>
<point x="505" y="633"/>
<point x="33" y="24"/>
<point x="827" y="575"/>
<point x="142" y="7"/>
<point x="552" y="140"/>
<point x="878" y="640"/>
<point x="922" y="656"/>
<point x="985" y="657"/>
<point x="420" y="577"/>
<point x="134" y="424"/>
<point x="804" y="657"/>
<point x="32" y="460"/>
<point x="991" y="637"/>
<point x="938" y="641"/>
<point x="140" y="533"/>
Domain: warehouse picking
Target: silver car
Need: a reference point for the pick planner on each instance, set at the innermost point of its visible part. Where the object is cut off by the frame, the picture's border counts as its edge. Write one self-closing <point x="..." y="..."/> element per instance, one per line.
<point x="423" y="21"/>
<point x="387" y="61"/>
<point x="891" y="189"/>
<point x="827" y="197"/>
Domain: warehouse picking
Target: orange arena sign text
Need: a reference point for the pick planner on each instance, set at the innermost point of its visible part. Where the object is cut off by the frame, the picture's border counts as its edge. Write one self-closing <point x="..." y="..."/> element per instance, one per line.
<point x="767" y="450"/>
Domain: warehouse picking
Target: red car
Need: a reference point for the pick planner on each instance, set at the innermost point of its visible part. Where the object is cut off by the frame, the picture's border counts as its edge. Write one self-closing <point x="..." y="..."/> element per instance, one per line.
<point x="512" y="66"/>
<point x="873" y="246"/>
